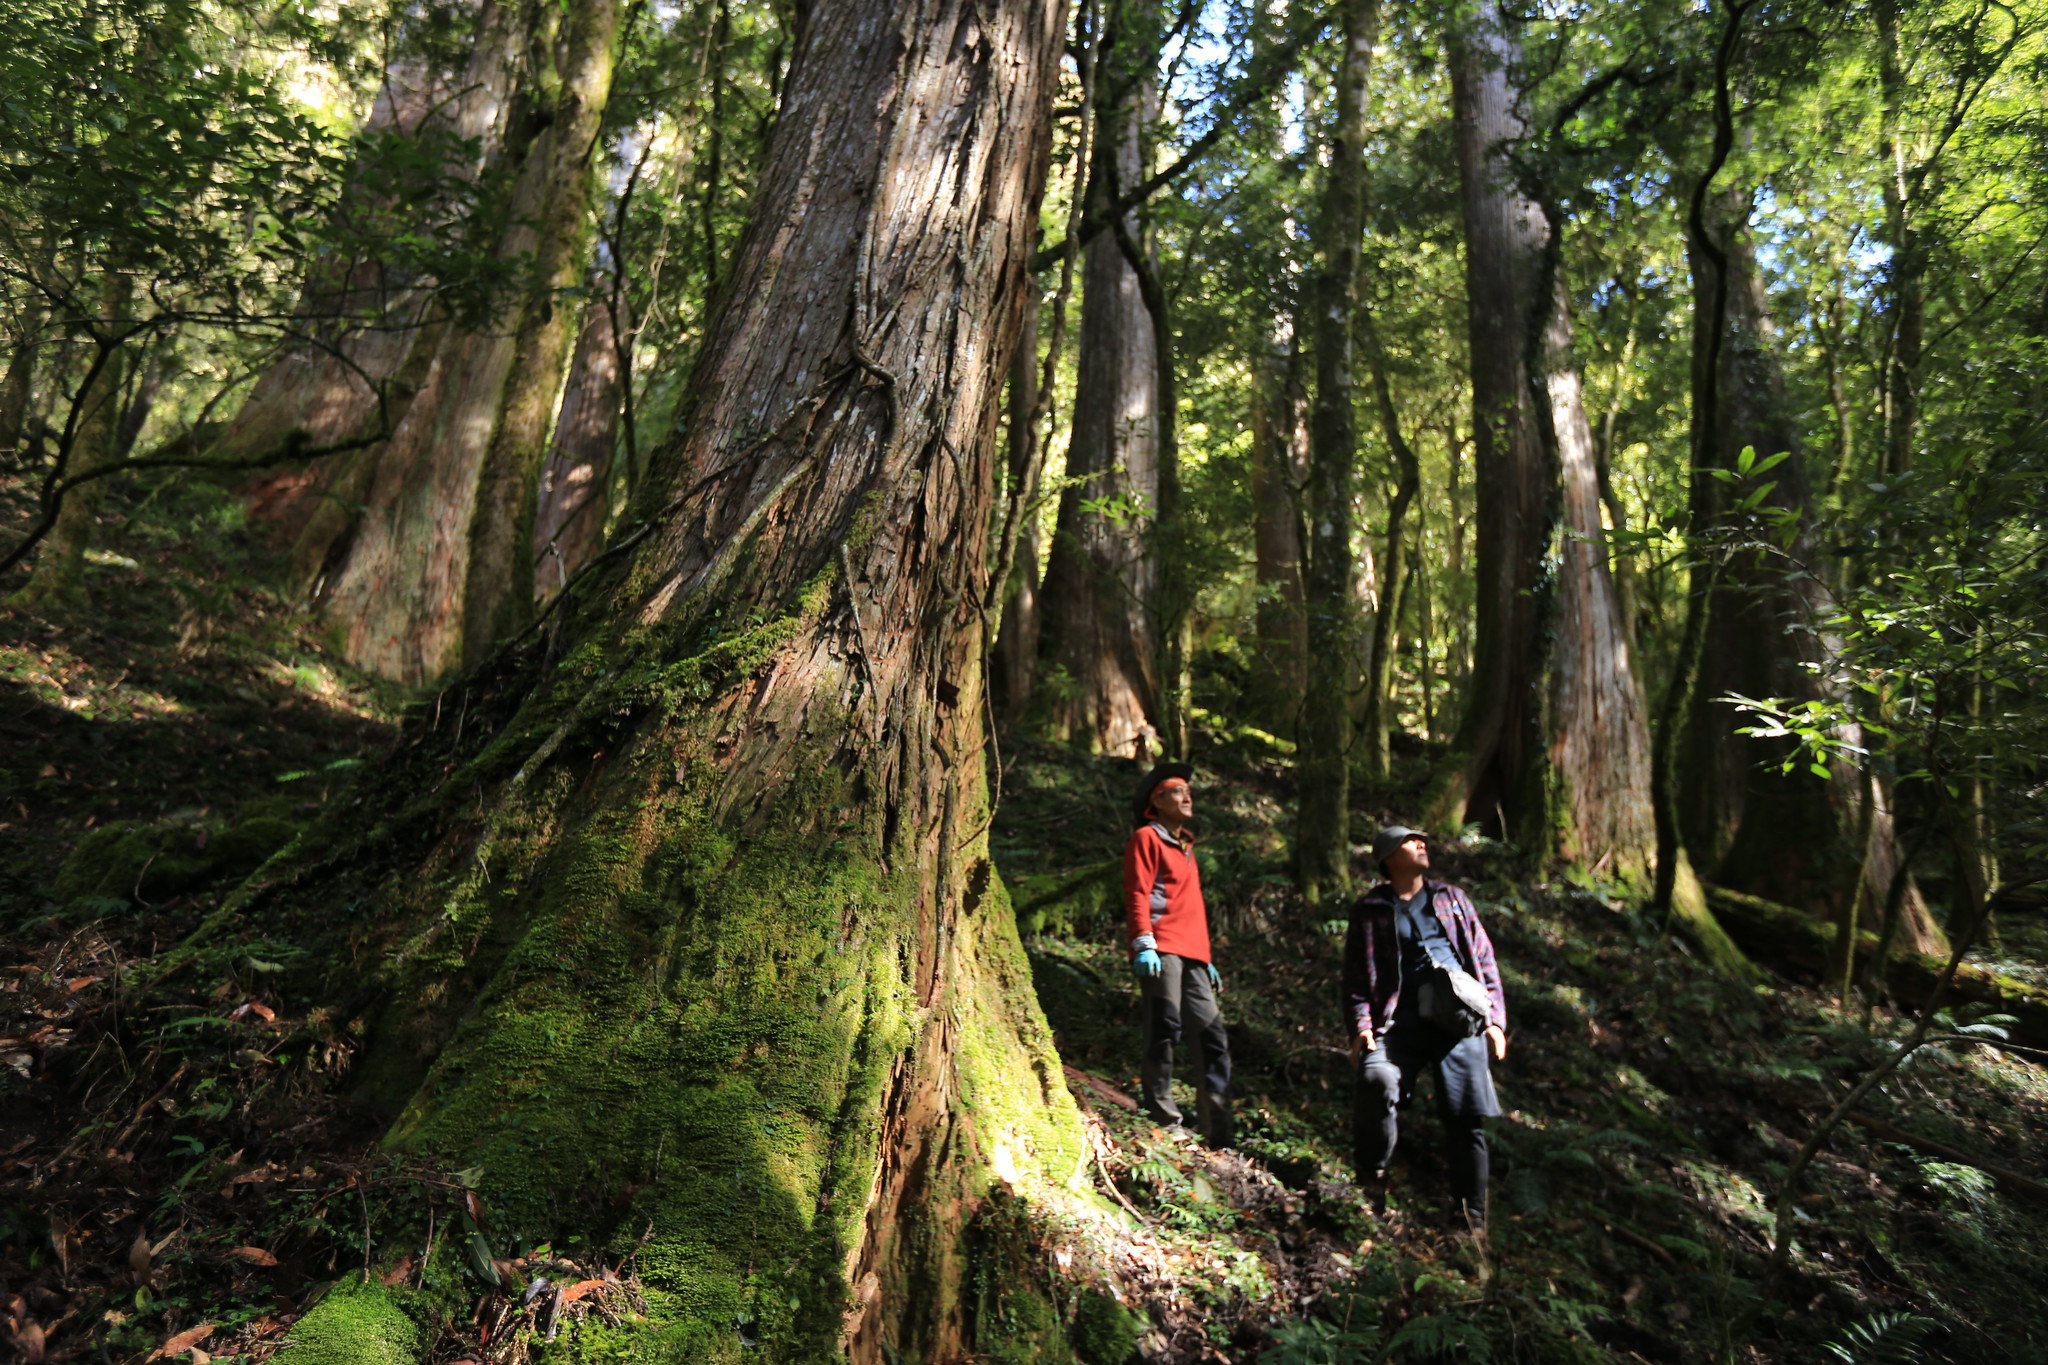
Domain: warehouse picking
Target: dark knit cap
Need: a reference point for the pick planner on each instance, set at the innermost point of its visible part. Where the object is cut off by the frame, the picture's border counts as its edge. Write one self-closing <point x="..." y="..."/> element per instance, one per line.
<point x="1141" y="800"/>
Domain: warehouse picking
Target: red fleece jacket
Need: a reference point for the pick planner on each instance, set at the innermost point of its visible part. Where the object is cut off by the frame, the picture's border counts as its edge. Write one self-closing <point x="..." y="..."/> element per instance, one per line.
<point x="1163" y="894"/>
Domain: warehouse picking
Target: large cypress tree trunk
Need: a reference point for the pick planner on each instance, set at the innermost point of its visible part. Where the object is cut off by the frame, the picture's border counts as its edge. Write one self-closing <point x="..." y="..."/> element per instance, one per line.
<point x="1792" y="837"/>
<point x="441" y="566"/>
<point x="1322" y="854"/>
<point x="1601" y="815"/>
<point x="1095" y="609"/>
<point x="372" y="336"/>
<point x="1499" y="737"/>
<point x="1279" y="461"/>
<point x="706" y="959"/>
<point x="1555" y="734"/>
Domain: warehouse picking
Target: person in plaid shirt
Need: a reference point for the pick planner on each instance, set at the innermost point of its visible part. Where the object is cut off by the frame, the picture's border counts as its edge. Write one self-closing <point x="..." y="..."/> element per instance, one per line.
<point x="1402" y="926"/>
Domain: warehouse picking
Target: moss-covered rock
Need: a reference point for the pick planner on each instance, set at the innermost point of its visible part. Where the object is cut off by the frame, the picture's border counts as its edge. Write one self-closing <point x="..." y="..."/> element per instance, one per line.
<point x="130" y="861"/>
<point x="356" y="1324"/>
<point x="1104" y="1331"/>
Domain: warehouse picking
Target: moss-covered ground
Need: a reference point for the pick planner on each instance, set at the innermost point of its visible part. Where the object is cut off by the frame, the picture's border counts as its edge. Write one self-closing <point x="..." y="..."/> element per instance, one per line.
<point x="183" y="1166"/>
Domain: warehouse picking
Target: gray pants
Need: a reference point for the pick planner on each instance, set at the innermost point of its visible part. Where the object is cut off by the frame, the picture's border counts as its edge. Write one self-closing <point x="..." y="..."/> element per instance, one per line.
<point x="1180" y="999"/>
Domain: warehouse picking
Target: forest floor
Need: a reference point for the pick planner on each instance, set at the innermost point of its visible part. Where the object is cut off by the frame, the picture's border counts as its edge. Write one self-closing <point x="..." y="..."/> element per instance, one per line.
<point x="197" y="1195"/>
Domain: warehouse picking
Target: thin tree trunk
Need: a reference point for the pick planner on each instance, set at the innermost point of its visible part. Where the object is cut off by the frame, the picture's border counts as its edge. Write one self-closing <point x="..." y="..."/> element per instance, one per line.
<point x="1425" y="625"/>
<point x="1458" y="659"/>
<point x="1016" y="652"/>
<point x="1907" y="310"/>
<point x="94" y="421"/>
<point x="1323" y="818"/>
<point x="575" y="487"/>
<point x="1095" y="619"/>
<point x="713" y="901"/>
<point x="440" y="567"/>
<point x="1400" y="567"/>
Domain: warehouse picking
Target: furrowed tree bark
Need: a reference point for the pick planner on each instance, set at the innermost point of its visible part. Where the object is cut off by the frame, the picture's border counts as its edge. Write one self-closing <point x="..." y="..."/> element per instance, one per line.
<point x="1323" y="819"/>
<point x="1790" y="837"/>
<point x="1173" y="591"/>
<point x="1601" y="816"/>
<point x="1098" y="671"/>
<point x="575" y="485"/>
<point x="752" y="1008"/>
<point x="17" y="386"/>
<point x="441" y="566"/>
<point x="1555" y="735"/>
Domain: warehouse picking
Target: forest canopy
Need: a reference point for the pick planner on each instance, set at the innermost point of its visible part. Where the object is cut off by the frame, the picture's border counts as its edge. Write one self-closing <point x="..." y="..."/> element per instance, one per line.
<point x="585" y="586"/>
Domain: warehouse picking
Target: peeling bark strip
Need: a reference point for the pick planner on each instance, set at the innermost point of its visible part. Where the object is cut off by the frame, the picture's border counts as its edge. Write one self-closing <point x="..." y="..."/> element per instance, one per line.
<point x="706" y="894"/>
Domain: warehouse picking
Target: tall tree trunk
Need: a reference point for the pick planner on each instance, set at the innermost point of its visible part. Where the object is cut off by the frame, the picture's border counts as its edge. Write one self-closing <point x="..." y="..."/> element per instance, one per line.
<point x="1598" y="724"/>
<point x="1323" y="819"/>
<point x="1498" y="741"/>
<point x="441" y="566"/>
<point x="1173" y="588"/>
<point x="94" y="422"/>
<point x="1096" y="607"/>
<point x="575" y="485"/>
<point x="1016" y="654"/>
<point x="571" y="91"/>
<point x="1278" y="466"/>
<point x="1555" y="737"/>
<point x="370" y="335"/>
<point x="754" y="961"/>
<point x="1790" y="837"/>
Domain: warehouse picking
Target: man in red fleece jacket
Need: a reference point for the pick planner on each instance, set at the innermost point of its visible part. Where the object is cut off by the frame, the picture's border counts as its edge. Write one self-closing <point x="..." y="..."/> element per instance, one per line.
<point x="1169" y="936"/>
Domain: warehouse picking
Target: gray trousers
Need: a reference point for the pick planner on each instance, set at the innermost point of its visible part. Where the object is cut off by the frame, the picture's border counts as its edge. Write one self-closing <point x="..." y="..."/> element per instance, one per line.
<point x="1180" y="1000"/>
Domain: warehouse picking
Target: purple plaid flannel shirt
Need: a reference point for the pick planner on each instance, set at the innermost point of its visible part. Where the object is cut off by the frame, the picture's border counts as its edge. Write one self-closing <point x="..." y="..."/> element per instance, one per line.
<point x="1372" y="956"/>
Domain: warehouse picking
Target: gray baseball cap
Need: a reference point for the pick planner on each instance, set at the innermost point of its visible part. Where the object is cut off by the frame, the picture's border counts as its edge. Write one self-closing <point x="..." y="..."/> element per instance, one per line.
<point x="1392" y="837"/>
